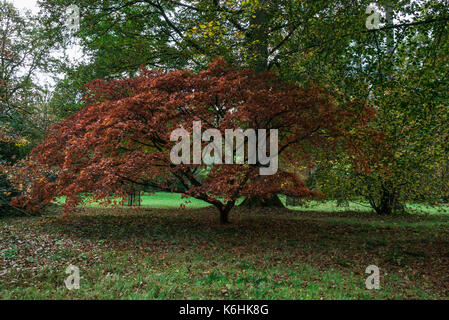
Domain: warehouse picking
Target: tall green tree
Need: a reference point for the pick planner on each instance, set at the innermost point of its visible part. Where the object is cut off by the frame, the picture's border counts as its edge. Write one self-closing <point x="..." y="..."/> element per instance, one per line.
<point x="25" y="47"/>
<point x="24" y="55"/>
<point x="402" y="72"/>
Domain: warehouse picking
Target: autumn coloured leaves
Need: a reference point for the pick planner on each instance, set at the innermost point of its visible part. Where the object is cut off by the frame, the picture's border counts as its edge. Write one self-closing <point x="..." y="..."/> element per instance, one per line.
<point x="222" y="133"/>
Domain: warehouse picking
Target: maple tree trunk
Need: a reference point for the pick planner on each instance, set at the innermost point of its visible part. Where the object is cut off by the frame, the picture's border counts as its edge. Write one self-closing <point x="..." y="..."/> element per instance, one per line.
<point x="224" y="216"/>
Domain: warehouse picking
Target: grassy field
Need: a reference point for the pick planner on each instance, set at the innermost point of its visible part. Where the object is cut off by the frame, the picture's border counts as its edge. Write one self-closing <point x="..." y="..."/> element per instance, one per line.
<point x="160" y="200"/>
<point x="150" y="253"/>
<point x="166" y="200"/>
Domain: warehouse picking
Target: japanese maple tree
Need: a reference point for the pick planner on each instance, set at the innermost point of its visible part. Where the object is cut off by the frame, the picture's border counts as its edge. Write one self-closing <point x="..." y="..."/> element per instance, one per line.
<point x="122" y="137"/>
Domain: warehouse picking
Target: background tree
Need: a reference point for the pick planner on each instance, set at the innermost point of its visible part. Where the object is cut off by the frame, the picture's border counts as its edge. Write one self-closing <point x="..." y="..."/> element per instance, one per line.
<point x="403" y="75"/>
<point x="24" y="52"/>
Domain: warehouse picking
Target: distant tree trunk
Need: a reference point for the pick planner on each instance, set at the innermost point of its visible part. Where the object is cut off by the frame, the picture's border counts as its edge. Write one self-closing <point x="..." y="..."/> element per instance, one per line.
<point x="342" y="203"/>
<point x="258" y="37"/>
<point x="292" y="201"/>
<point x="384" y="207"/>
<point x="445" y="182"/>
<point x="261" y="202"/>
<point x="387" y="204"/>
<point x="133" y="198"/>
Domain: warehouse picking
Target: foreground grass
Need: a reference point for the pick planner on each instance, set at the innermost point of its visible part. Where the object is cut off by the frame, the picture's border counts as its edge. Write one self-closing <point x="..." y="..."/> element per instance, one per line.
<point x="185" y="254"/>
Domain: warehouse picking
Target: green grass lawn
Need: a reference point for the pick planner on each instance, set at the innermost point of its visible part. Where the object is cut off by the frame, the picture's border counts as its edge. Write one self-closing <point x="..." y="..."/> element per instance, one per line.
<point x="154" y="253"/>
<point x="160" y="200"/>
<point x="166" y="200"/>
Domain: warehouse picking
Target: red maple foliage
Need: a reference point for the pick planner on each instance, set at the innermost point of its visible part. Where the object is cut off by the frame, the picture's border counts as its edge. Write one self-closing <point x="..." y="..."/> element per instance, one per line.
<point x="122" y="137"/>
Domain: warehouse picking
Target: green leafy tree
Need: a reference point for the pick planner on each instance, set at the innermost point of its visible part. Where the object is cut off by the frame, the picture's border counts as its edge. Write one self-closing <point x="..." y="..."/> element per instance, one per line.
<point x="24" y="51"/>
<point x="402" y="72"/>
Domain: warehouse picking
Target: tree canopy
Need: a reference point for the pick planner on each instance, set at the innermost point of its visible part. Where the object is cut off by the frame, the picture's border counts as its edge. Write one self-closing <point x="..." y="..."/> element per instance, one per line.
<point x="123" y="136"/>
